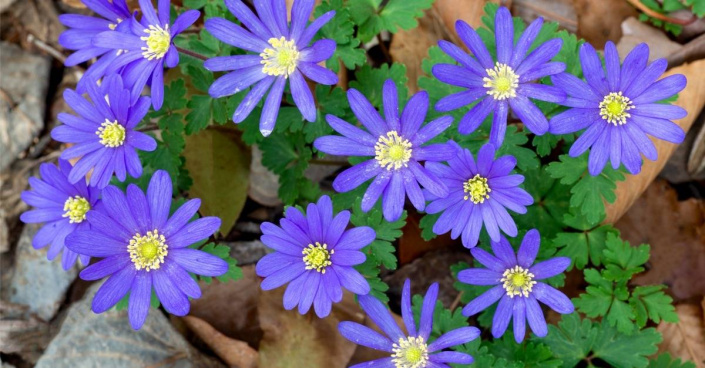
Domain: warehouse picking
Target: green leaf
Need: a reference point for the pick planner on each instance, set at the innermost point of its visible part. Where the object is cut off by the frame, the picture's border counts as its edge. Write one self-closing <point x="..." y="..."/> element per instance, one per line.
<point x="174" y="96"/>
<point x="585" y="246"/>
<point x="223" y="252"/>
<point x="622" y="260"/>
<point x="650" y="302"/>
<point x="369" y="82"/>
<point x="167" y="156"/>
<point x="341" y="30"/>
<point x="697" y="6"/>
<point x="220" y="167"/>
<point x="666" y="361"/>
<point x="531" y="354"/>
<point x="372" y="17"/>
<point x="200" y="115"/>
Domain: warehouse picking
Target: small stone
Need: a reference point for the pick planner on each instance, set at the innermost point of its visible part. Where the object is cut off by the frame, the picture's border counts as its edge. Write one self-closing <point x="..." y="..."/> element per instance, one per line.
<point x="107" y="340"/>
<point x="37" y="282"/>
<point x="24" y="81"/>
<point x="247" y="252"/>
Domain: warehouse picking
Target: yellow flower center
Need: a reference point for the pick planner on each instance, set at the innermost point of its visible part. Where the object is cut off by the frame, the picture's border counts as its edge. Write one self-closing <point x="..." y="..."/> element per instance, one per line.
<point x="410" y="352"/>
<point x="111" y="134"/>
<point x="614" y="107"/>
<point x="281" y="58"/>
<point x="158" y="42"/>
<point x="392" y="151"/>
<point x="518" y="281"/>
<point x="148" y="252"/>
<point x="501" y="82"/>
<point x="317" y="257"/>
<point x="476" y="189"/>
<point x="76" y="208"/>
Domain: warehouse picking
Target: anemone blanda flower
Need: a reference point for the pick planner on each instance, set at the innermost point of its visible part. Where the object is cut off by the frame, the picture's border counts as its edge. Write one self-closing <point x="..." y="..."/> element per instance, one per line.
<point x="315" y="255"/>
<point x="147" y="48"/>
<point x="513" y="277"/>
<point x="282" y="53"/>
<point x="501" y="84"/>
<point x="81" y="30"/>
<point x="619" y="107"/>
<point x="143" y="247"/>
<point x="396" y="145"/>
<point x="411" y="350"/>
<point x="479" y="194"/>
<point x="103" y="136"/>
<point x="62" y="207"/>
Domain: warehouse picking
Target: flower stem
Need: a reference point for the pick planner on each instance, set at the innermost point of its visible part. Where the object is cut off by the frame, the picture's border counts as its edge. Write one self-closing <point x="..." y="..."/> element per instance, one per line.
<point x="191" y="53"/>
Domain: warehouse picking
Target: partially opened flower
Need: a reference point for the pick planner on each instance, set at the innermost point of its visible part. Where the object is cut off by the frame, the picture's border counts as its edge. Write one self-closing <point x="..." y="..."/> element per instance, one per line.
<point x="479" y="194"/>
<point x="396" y="144"/>
<point x="315" y="255"/>
<point x="103" y="136"/>
<point x="516" y="284"/>
<point x="411" y="349"/>
<point x="82" y="29"/>
<point x="62" y="207"/>
<point x="500" y="84"/>
<point x="147" y="48"/>
<point x="619" y="107"/>
<point x="281" y="53"/>
<point x="144" y="248"/>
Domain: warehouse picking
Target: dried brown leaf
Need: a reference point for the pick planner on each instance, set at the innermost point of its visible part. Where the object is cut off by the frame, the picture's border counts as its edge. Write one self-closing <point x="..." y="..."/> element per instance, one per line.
<point x="410" y="47"/>
<point x="600" y="21"/>
<point x="685" y="339"/>
<point x="692" y="99"/>
<point x="233" y="352"/>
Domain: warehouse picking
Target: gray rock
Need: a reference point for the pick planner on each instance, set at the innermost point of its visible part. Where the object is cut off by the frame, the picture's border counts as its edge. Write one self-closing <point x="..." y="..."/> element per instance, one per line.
<point x="247" y="252"/>
<point x="106" y="340"/>
<point x="23" y="86"/>
<point x="4" y="4"/>
<point x="37" y="282"/>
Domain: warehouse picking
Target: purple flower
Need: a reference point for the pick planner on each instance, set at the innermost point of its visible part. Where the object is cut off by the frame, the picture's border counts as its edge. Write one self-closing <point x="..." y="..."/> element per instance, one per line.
<point x="143" y="248"/>
<point x="479" y="193"/>
<point x="103" y="136"/>
<point x="315" y="255"/>
<point x="397" y="145"/>
<point x="619" y="107"/>
<point x="62" y="207"/>
<point x="410" y="350"/>
<point x="501" y="84"/>
<point x="513" y="278"/>
<point x="282" y="53"/>
<point x="83" y="28"/>
<point x="147" y="48"/>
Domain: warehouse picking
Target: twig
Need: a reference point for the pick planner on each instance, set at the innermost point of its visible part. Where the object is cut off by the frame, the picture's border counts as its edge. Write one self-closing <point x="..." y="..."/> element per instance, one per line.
<point x="191" y="53"/>
<point x="385" y="51"/>
<point x="652" y="13"/>
<point x="46" y="48"/>
<point x="456" y="301"/>
<point x="692" y="50"/>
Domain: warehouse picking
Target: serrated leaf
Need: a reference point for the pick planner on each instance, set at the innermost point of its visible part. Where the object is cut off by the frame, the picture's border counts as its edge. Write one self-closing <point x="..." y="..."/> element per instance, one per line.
<point x="650" y="302"/>
<point x="369" y="82"/>
<point x="200" y="115"/>
<point x="666" y="361"/>
<point x="585" y="246"/>
<point x="223" y="252"/>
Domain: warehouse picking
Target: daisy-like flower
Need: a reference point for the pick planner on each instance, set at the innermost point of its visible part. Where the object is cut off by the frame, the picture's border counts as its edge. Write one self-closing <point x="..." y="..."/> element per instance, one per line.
<point x="147" y="48"/>
<point x="103" y="136"/>
<point x="479" y="194"/>
<point x="315" y="255"/>
<point x="396" y="146"/>
<point x="143" y="247"/>
<point x="619" y="107"/>
<point x="410" y="350"/>
<point x="62" y="207"/>
<point x="82" y="29"/>
<point x="503" y="83"/>
<point x="282" y="53"/>
<point x="516" y="286"/>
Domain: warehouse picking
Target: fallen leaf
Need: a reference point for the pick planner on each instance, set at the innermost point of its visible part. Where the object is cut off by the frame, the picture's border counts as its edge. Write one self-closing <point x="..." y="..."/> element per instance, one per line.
<point x="600" y="21"/>
<point x="74" y="3"/>
<point x="233" y="352"/>
<point x="561" y="11"/>
<point x="685" y="339"/>
<point x="676" y="232"/>
<point x="450" y="11"/>
<point x="413" y="246"/>
<point x="265" y="183"/>
<point x="294" y="340"/>
<point x="696" y="159"/>
<point x="635" y="32"/>
<point x="692" y="99"/>
<point x="219" y="165"/>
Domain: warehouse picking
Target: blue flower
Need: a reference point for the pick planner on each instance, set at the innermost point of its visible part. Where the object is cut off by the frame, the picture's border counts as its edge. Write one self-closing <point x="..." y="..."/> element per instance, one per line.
<point x="282" y="53"/>
<point x="147" y="48"/>
<point x="479" y="194"/>
<point x="411" y="350"/>
<point x="513" y="277"/>
<point x="83" y="28"/>
<point x="144" y="247"/>
<point x="62" y="207"/>
<point x="396" y="146"/>
<point x="315" y="255"/>
<point x="103" y="136"/>
<point x="618" y="107"/>
<point x="501" y="84"/>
